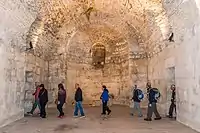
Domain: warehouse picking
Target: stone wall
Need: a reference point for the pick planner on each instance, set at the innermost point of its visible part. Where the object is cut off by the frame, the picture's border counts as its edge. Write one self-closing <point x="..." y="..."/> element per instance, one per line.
<point x="36" y="70"/>
<point x="184" y="56"/>
<point x="14" y="25"/>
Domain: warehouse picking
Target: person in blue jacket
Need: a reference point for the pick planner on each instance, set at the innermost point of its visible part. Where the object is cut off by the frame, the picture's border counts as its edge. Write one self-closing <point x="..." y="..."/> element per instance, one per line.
<point x="105" y="98"/>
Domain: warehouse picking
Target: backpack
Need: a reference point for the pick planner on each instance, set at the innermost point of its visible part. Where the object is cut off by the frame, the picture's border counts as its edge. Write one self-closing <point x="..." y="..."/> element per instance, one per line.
<point x="140" y="94"/>
<point x="157" y="93"/>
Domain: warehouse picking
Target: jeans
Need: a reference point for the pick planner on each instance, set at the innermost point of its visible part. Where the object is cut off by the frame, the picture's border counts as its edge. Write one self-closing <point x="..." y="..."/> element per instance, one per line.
<point x="137" y="107"/>
<point x="171" y="109"/>
<point x="78" y="106"/>
<point x="152" y="108"/>
<point x="35" y="104"/>
<point x="60" y="109"/>
<point x="105" y="108"/>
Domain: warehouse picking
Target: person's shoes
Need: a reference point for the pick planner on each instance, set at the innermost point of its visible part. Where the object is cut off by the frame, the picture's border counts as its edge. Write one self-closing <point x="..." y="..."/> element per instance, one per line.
<point x="147" y="119"/>
<point x="140" y="116"/>
<point x="159" y="118"/>
<point x="170" y="116"/>
<point x="109" y="112"/>
<point x="61" y="116"/>
<point x="29" y="113"/>
<point x="75" y="116"/>
<point x="83" y="116"/>
<point x="43" y="116"/>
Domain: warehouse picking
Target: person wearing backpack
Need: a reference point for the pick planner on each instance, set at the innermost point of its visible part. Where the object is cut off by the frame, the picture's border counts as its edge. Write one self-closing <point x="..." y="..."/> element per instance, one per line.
<point x="154" y="94"/>
<point x="137" y="97"/>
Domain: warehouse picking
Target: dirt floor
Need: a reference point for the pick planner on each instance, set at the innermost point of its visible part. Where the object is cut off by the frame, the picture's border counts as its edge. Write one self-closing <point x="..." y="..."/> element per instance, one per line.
<point x="119" y="122"/>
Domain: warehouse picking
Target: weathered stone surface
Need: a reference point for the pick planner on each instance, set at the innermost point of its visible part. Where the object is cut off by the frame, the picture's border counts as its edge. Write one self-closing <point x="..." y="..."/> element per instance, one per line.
<point x="63" y="34"/>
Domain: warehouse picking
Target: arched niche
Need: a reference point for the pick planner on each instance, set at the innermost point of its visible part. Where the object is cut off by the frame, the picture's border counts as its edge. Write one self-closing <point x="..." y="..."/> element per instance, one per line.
<point x="98" y="52"/>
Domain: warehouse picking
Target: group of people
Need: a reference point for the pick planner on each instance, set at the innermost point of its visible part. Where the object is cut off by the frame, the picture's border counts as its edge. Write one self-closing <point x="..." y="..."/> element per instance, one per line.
<point x="153" y="95"/>
<point x="41" y="100"/>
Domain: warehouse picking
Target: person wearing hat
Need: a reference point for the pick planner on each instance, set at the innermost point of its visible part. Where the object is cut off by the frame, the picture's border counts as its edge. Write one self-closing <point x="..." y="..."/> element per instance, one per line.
<point x="43" y="98"/>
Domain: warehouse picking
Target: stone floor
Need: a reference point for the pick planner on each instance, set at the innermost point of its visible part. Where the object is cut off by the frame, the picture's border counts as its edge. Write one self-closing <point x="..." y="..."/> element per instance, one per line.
<point x="118" y="122"/>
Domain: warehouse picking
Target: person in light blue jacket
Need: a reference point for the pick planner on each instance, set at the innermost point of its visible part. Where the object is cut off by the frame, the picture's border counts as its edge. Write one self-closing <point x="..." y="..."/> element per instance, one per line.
<point x="105" y="98"/>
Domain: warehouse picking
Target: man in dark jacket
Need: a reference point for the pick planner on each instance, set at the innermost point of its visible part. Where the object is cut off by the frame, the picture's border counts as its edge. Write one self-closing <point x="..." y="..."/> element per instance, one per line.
<point x="43" y="98"/>
<point x="173" y="101"/>
<point x="136" y="101"/>
<point x="78" y="98"/>
<point x="105" y="98"/>
<point x="61" y="99"/>
<point x="152" y="107"/>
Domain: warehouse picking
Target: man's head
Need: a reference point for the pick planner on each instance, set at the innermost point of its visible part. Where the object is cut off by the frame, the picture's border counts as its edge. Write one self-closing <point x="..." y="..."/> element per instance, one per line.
<point x="173" y="87"/>
<point x="103" y="87"/>
<point x="76" y="85"/>
<point x="135" y="87"/>
<point x="148" y="84"/>
<point x="37" y="84"/>
<point x="42" y="86"/>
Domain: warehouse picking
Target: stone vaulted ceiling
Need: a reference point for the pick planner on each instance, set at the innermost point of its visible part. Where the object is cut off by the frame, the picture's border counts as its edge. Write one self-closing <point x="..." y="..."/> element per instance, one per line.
<point x="143" y="21"/>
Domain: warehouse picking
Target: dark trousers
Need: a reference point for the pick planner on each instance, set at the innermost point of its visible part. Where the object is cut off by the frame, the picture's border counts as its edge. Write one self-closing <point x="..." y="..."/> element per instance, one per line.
<point x="152" y="108"/>
<point x="43" y="109"/>
<point x="60" y="109"/>
<point x="105" y="107"/>
<point x="172" y="108"/>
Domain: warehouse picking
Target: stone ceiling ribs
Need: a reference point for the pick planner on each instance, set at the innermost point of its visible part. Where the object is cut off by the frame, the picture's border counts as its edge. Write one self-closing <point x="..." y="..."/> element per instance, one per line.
<point x="143" y="20"/>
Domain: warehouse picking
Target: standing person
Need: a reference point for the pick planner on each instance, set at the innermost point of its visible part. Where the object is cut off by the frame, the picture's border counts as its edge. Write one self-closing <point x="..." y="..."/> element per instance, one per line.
<point x="60" y="101"/>
<point x="152" y="107"/>
<point x="36" y="101"/>
<point x="43" y="96"/>
<point x="173" y="101"/>
<point x="78" y="99"/>
<point x="105" y="98"/>
<point x="137" y="97"/>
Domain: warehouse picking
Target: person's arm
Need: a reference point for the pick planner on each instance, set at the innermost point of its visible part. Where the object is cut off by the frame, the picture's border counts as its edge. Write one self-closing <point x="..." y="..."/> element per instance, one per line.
<point x="101" y="96"/>
<point x="81" y="95"/>
<point x="47" y="97"/>
<point x="65" y="95"/>
<point x="34" y="92"/>
<point x="173" y="97"/>
<point x="75" y="96"/>
<point x="150" y="97"/>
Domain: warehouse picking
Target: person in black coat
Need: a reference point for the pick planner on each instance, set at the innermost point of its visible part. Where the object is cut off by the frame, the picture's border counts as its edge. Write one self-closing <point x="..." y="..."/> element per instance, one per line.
<point x="43" y="98"/>
<point x="173" y="101"/>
